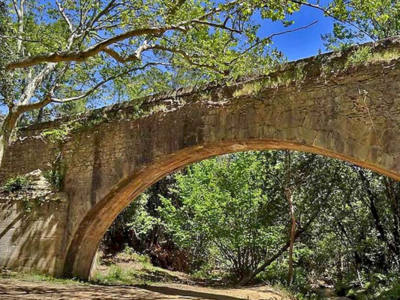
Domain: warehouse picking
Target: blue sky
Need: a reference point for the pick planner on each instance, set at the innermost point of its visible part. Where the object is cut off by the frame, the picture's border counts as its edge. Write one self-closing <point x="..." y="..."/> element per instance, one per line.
<point x="299" y="44"/>
<point x="302" y="43"/>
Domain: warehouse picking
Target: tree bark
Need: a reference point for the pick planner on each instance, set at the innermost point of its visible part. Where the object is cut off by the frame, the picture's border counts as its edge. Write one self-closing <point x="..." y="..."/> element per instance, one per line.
<point x="289" y="197"/>
<point x="6" y="131"/>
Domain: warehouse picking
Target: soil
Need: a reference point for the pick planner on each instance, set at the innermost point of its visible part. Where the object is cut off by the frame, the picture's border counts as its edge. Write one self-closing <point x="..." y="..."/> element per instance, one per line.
<point x="21" y="289"/>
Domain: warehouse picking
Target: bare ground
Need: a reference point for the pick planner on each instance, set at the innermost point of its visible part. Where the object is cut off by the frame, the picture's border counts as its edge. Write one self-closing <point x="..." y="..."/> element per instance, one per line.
<point x="20" y="289"/>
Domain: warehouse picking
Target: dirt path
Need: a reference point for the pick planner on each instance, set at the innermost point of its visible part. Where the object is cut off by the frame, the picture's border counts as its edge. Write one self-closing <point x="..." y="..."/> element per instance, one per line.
<point x="19" y="289"/>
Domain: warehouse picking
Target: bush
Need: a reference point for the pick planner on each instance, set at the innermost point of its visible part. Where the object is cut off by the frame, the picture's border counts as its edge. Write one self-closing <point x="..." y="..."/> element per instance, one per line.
<point x="16" y="184"/>
<point x="393" y="293"/>
<point x="133" y="255"/>
<point x="55" y="178"/>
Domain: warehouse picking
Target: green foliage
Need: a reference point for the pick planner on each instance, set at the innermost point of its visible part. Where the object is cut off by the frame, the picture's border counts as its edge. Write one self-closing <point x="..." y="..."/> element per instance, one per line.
<point x="17" y="184"/>
<point x="136" y="223"/>
<point x="134" y="256"/>
<point x="57" y="134"/>
<point x="223" y="44"/>
<point x="362" y="20"/>
<point x="392" y="292"/>
<point x="230" y="214"/>
<point x="55" y="178"/>
<point x="233" y="205"/>
<point x="359" y="57"/>
<point x="27" y="205"/>
<point x="141" y="220"/>
<point x="223" y="206"/>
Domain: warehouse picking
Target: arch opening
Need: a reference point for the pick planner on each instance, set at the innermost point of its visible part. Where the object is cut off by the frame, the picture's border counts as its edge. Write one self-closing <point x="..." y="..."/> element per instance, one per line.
<point x="83" y="248"/>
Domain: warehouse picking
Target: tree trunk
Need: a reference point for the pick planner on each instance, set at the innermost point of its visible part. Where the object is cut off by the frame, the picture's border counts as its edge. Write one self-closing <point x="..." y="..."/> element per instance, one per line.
<point x="297" y="234"/>
<point x="6" y="131"/>
<point x="382" y="236"/>
<point x="292" y="238"/>
<point x="289" y="198"/>
<point x="394" y="203"/>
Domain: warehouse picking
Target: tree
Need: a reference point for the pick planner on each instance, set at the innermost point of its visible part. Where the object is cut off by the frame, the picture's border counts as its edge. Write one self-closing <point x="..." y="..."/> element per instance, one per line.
<point x="370" y="20"/>
<point x="221" y="207"/>
<point x="306" y="183"/>
<point x="235" y="206"/>
<point x="231" y="214"/>
<point x="57" y="52"/>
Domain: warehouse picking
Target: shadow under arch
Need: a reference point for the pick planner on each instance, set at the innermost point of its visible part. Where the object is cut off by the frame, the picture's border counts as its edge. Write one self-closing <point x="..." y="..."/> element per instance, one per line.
<point x="83" y="248"/>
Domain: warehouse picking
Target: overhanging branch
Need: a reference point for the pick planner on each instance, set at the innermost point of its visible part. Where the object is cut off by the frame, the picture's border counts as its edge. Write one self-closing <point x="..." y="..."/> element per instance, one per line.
<point x="97" y="86"/>
<point x="83" y="55"/>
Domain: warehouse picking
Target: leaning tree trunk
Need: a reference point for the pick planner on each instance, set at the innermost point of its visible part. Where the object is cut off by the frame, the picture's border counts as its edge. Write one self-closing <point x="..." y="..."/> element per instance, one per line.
<point x="282" y="250"/>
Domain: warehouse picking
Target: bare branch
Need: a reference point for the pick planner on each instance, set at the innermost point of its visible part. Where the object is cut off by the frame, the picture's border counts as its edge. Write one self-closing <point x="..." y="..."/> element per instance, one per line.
<point x="65" y="17"/>
<point x="20" y="14"/>
<point x="97" y="86"/>
<point x="270" y="37"/>
<point x="26" y="106"/>
<point x="114" y="54"/>
<point x="217" y="25"/>
<point x="17" y="10"/>
<point x="329" y="14"/>
<point x="31" y="87"/>
<point x="32" y="106"/>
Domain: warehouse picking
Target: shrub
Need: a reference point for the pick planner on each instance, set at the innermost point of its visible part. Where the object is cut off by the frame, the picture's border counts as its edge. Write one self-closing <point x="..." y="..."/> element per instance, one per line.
<point x="393" y="293"/>
<point x="142" y="258"/>
<point x="16" y="184"/>
<point x="55" y="178"/>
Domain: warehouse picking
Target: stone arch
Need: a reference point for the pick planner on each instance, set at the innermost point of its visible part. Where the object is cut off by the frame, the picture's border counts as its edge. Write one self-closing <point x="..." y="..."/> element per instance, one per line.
<point x="81" y="254"/>
<point x="353" y="115"/>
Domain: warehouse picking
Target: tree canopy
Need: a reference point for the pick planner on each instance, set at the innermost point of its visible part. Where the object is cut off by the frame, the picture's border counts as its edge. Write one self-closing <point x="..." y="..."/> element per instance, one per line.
<point x="61" y="57"/>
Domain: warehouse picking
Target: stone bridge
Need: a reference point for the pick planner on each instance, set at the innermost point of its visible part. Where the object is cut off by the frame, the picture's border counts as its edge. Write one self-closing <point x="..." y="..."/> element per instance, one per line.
<point x="341" y="105"/>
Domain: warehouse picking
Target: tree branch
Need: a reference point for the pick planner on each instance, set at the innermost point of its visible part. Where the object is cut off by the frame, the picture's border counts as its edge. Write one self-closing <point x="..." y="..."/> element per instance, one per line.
<point x="145" y="47"/>
<point x="282" y="250"/>
<point x="329" y="14"/>
<point x="95" y="18"/>
<point x="217" y="25"/>
<point x="270" y="37"/>
<point x="80" y="56"/>
<point x="97" y="86"/>
<point x="64" y="16"/>
<point x="31" y="87"/>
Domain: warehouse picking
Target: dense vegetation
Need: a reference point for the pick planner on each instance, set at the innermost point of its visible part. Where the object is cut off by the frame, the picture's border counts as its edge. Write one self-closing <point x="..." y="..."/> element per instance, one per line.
<point x="227" y="216"/>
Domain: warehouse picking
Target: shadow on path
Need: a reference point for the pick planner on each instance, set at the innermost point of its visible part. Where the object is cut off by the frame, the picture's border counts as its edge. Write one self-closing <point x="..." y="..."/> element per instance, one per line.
<point x="11" y="289"/>
<point x="187" y="293"/>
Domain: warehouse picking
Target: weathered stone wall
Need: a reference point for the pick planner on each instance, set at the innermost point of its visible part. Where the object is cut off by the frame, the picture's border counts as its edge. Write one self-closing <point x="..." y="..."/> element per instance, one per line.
<point x="351" y="113"/>
<point x="32" y="241"/>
